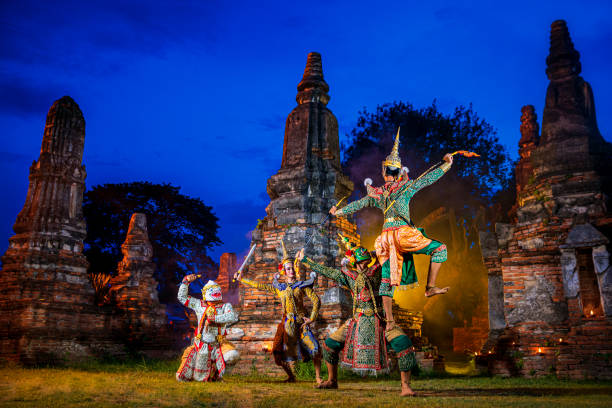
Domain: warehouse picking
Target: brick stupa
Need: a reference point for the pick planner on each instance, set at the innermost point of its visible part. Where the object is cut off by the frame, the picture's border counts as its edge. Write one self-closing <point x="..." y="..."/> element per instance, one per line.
<point x="140" y="317"/>
<point x="47" y="310"/>
<point x="550" y="280"/>
<point x="227" y="267"/>
<point x="310" y="181"/>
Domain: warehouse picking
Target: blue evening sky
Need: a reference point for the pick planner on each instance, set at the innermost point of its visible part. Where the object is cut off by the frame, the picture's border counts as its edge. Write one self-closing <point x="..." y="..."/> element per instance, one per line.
<point x="195" y="93"/>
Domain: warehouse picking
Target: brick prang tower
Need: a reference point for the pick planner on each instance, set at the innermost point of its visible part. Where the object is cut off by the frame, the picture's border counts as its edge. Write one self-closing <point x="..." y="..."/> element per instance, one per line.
<point x="309" y="182"/>
<point x="550" y="280"/>
<point x="46" y="298"/>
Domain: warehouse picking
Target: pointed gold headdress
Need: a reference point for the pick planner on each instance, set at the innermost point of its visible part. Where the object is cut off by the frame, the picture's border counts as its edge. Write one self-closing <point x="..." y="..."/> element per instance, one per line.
<point x="393" y="159"/>
<point x="286" y="258"/>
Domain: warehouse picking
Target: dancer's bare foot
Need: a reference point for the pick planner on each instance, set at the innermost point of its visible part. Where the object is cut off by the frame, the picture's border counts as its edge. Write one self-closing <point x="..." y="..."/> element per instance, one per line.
<point x="327" y="385"/>
<point x="434" y="290"/>
<point x="407" y="391"/>
<point x="319" y="381"/>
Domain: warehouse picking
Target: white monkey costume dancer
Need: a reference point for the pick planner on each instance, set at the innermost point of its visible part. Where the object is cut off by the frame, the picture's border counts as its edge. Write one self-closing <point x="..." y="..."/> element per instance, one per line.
<point x="209" y="353"/>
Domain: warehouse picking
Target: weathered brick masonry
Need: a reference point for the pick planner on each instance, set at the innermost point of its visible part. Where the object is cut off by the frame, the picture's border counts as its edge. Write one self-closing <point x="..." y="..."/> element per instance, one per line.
<point x="550" y="281"/>
<point x="47" y="308"/>
<point x="309" y="181"/>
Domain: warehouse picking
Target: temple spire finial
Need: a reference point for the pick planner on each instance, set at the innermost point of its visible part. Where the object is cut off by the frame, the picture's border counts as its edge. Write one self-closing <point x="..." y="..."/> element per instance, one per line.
<point x="563" y="60"/>
<point x="312" y="87"/>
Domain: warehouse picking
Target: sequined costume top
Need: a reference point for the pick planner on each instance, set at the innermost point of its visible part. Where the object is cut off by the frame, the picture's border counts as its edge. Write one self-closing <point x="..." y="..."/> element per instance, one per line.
<point x="396" y="197"/>
<point x="218" y="316"/>
<point x="291" y="296"/>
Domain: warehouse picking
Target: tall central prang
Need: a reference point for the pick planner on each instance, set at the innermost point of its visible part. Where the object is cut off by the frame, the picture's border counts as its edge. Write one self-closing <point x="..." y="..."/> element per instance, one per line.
<point x="309" y="182"/>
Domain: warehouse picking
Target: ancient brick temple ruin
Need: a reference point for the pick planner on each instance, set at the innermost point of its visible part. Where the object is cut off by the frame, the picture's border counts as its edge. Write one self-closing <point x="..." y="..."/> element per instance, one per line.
<point x="550" y="281"/>
<point x="227" y="267"/>
<point x="47" y="308"/>
<point x="140" y="317"/>
<point x="303" y="190"/>
<point x="309" y="182"/>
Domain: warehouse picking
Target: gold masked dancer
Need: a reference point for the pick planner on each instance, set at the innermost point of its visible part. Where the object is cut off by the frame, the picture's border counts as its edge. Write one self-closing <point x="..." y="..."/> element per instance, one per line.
<point x="400" y="238"/>
<point x="294" y="339"/>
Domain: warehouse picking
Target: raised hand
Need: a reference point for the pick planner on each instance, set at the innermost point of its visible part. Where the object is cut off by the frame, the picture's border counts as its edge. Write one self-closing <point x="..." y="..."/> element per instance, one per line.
<point x="300" y="255"/>
<point x="332" y="210"/>
<point x="191" y="277"/>
<point x="448" y="158"/>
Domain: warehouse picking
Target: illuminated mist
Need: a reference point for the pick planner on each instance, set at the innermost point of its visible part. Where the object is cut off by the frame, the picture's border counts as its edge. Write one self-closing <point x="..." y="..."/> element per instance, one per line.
<point x="432" y="209"/>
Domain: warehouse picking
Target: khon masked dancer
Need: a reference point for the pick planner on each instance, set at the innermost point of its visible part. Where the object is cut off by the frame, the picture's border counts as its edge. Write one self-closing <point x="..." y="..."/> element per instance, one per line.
<point x="210" y="353"/>
<point x="400" y="238"/>
<point x="294" y="339"/>
<point x="361" y="342"/>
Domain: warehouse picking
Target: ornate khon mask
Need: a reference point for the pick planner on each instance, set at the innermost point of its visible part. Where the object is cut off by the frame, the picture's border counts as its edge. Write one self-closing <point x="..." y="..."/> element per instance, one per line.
<point x="211" y="292"/>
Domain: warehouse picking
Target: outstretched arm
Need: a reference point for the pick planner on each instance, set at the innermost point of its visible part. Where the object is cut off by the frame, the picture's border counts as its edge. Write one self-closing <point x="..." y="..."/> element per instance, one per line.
<point x="433" y="176"/>
<point x="331" y="273"/>
<point x="355" y="206"/>
<point x="266" y="287"/>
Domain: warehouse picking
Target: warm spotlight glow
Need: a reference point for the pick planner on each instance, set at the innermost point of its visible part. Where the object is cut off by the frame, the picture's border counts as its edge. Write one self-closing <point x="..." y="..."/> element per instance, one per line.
<point x="267" y="346"/>
<point x="592" y="313"/>
<point x="560" y="340"/>
<point x="540" y="350"/>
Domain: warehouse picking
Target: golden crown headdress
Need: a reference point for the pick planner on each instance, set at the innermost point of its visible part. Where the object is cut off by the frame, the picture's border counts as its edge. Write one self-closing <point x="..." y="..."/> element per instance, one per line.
<point x="393" y="159"/>
<point x="286" y="258"/>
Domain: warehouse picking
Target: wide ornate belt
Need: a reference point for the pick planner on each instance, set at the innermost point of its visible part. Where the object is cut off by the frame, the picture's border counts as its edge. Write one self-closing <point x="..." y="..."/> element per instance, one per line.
<point x="367" y="312"/>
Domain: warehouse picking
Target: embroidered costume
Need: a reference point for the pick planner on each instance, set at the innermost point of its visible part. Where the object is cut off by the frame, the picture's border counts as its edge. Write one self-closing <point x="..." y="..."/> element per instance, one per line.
<point x="359" y="344"/>
<point x="292" y="342"/>
<point x="399" y="238"/>
<point x="210" y="353"/>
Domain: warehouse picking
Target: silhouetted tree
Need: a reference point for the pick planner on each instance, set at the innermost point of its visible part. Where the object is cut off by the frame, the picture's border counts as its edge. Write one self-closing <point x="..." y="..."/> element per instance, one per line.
<point x="426" y="135"/>
<point x="181" y="230"/>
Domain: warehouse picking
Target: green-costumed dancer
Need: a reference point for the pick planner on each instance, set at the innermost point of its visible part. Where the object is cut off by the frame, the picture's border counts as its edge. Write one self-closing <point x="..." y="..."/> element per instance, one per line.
<point x="400" y="239"/>
<point x="361" y="342"/>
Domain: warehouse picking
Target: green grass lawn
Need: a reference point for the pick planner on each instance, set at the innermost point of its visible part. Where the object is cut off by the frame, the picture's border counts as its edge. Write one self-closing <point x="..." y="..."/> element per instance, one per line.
<point x="152" y="384"/>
